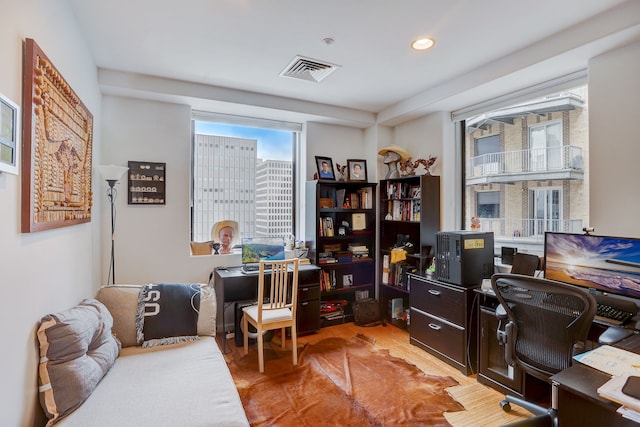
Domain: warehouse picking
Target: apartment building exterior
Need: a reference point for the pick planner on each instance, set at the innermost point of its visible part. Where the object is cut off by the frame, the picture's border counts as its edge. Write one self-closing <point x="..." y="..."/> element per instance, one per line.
<point x="526" y="169"/>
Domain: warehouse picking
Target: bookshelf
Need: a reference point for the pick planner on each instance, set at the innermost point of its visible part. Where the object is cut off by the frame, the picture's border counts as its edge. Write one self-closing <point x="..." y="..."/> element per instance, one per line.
<point x="341" y="233"/>
<point x="409" y="212"/>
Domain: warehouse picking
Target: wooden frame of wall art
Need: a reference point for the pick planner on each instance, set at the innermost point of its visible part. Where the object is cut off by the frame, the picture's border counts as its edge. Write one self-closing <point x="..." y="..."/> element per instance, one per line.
<point x="57" y="148"/>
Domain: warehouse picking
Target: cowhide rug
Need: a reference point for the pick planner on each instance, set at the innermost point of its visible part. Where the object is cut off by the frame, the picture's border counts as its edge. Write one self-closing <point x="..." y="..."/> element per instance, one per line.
<point x="339" y="382"/>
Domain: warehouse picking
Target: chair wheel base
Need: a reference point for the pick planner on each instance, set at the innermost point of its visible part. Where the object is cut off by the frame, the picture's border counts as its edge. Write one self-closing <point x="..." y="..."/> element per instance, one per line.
<point x="506" y="406"/>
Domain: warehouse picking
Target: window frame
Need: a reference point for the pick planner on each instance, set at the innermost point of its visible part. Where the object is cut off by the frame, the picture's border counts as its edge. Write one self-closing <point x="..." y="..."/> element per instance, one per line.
<point x="245" y="121"/>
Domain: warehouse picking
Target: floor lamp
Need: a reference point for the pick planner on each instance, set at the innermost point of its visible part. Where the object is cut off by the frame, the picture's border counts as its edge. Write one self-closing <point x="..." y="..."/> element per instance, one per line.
<point x="112" y="175"/>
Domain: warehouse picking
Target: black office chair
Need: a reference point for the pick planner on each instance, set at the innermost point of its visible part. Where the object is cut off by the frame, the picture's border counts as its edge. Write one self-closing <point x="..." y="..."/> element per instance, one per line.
<point x="548" y="322"/>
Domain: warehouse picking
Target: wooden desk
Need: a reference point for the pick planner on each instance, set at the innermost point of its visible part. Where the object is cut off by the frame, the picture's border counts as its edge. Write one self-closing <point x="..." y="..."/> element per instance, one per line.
<point x="578" y="399"/>
<point x="232" y="285"/>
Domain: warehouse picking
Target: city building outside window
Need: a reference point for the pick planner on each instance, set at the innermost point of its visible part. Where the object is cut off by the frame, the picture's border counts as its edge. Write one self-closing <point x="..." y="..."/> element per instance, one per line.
<point x="243" y="173"/>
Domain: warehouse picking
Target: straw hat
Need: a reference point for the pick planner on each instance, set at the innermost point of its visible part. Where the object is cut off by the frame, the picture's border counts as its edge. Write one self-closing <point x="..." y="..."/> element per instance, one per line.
<point x="404" y="154"/>
<point x="215" y="231"/>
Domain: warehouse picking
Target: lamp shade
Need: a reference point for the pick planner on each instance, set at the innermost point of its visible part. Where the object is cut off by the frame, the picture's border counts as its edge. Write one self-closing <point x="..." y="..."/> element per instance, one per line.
<point x="111" y="172"/>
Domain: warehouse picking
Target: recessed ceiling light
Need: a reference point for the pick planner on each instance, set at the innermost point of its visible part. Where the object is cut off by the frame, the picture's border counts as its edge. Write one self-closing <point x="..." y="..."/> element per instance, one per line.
<point x="422" y="44"/>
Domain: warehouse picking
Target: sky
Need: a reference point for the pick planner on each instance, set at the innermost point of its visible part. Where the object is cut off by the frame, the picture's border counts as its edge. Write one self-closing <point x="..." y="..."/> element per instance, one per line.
<point x="272" y="144"/>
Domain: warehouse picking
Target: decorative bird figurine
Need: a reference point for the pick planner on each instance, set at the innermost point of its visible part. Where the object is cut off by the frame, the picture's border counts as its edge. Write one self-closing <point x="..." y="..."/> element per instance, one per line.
<point x="341" y="171"/>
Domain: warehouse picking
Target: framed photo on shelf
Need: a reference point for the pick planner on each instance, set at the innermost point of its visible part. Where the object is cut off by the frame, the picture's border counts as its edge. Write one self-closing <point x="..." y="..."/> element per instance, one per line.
<point x="356" y="170"/>
<point x="9" y="135"/>
<point x="325" y="168"/>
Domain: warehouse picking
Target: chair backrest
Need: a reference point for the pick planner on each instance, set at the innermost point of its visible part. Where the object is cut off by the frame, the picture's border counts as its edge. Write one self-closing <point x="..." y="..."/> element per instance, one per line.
<point x="548" y="322"/>
<point x="278" y="285"/>
<point x="525" y="264"/>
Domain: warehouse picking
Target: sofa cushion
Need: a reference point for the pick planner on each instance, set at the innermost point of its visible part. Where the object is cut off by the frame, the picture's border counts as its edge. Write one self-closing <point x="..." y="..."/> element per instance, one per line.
<point x="167" y="314"/>
<point x="122" y="302"/>
<point x="77" y="349"/>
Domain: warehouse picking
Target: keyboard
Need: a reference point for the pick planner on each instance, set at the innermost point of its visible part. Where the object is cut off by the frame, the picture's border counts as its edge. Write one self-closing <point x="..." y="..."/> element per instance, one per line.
<point x="611" y="315"/>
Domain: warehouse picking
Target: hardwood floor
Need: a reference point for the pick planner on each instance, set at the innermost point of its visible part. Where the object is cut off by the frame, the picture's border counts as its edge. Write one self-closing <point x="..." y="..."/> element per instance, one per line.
<point x="481" y="403"/>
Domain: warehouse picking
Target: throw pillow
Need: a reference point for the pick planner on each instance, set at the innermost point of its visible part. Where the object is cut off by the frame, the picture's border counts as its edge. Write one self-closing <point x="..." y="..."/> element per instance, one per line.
<point x="167" y="314"/>
<point x="122" y="302"/>
<point x="76" y="350"/>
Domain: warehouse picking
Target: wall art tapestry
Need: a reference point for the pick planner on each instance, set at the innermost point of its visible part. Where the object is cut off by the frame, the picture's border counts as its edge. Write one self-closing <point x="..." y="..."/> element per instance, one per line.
<point x="57" y="148"/>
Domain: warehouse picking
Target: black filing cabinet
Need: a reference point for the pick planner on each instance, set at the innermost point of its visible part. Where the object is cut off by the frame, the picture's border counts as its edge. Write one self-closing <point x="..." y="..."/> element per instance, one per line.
<point x="443" y="321"/>
<point x="308" y="316"/>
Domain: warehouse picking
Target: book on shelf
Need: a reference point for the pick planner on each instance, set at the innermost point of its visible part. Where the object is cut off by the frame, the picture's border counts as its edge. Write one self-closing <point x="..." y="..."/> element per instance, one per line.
<point x="340" y="201"/>
<point x="328" y="280"/>
<point x="385" y="269"/>
<point x="326" y="227"/>
<point x="357" y="247"/>
<point x="323" y="261"/>
<point x="397" y="308"/>
<point x="365" y="198"/>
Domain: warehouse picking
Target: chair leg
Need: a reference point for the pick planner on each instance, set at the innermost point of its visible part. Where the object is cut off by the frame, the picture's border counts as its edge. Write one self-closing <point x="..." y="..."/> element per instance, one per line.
<point x="294" y="343"/>
<point x="245" y="333"/>
<point x="260" y="351"/>
<point x="283" y="336"/>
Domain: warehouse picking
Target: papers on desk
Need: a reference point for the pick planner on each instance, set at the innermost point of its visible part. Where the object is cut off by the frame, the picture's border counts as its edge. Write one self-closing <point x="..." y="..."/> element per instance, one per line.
<point x="612" y="390"/>
<point x="620" y="364"/>
<point x="611" y="360"/>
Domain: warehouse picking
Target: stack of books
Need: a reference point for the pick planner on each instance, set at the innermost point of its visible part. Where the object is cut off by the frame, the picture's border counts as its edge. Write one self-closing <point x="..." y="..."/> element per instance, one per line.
<point x="358" y="251"/>
<point x="326" y="258"/>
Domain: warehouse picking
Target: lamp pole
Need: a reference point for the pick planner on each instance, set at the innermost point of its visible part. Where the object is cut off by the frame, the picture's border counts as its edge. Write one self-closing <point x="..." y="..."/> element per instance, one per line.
<point x="111" y="194"/>
<point x="112" y="175"/>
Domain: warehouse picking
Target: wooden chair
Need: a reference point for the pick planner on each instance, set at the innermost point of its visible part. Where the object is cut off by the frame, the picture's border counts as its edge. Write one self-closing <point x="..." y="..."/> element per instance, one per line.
<point x="276" y="308"/>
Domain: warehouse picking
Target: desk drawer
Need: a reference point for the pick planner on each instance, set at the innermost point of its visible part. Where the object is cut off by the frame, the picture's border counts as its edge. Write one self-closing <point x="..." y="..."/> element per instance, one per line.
<point x="439" y="300"/>
<point x="306" y="293"/>
<point x="438" y="334"/>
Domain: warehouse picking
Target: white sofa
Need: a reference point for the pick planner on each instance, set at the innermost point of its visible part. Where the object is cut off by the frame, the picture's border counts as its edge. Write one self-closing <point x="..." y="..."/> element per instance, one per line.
<point x="185" y="384"/>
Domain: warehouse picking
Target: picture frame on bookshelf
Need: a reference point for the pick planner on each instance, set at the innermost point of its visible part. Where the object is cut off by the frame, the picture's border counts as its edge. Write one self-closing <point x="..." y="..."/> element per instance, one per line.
<point x="357" y="170"/>
<point x="347" y="280"/>
<point x="325" y="168"/>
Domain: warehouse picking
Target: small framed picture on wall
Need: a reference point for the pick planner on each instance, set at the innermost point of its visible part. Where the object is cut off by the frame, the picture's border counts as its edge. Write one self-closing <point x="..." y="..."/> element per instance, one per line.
<point x="356" y="170"/>
<point x="9" y="135"/>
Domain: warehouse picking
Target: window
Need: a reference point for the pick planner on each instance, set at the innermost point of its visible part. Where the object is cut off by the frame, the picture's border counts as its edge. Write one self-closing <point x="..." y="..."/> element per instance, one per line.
<point x="488" y="204"/>
<point x="244" y="171"/>
<point x="525" y="168"/>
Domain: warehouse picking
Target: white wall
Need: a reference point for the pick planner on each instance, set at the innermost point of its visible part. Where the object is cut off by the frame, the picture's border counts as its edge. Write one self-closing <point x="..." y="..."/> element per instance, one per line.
<point x="433" y="135"/>
<point x="614" y="91"/>
<point x="152" y="242"/>
<point x="47" y="271"/>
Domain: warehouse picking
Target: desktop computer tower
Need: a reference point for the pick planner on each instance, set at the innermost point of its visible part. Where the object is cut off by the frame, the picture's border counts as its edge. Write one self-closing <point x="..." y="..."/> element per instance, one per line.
<point x="464" y="258"/>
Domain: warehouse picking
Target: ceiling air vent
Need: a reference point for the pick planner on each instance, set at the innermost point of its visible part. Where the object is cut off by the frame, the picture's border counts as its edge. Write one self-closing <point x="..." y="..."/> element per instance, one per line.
<point x="308" y="69"/>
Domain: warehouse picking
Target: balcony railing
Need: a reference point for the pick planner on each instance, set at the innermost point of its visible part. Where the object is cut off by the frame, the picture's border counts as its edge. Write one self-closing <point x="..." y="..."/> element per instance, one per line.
<point x="521" y="165"/>
<point x="528" y="229"/>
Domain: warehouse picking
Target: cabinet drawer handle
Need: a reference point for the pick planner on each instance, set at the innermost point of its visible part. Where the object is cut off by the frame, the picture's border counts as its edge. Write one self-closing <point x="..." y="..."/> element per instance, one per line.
<point x="434" y="326"/>
<point x="305" y="289"/>
<point x="305" y="303"/>
<point x="434" y="292"/>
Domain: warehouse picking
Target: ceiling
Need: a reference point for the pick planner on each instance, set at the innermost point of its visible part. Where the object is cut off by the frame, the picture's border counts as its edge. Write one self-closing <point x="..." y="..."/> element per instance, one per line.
<point x="227" y="55"/>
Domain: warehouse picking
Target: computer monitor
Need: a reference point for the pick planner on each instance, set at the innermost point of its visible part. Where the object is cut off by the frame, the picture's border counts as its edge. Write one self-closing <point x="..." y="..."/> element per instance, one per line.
<point x="255" y="249"/>
<point x="603" y="263"/>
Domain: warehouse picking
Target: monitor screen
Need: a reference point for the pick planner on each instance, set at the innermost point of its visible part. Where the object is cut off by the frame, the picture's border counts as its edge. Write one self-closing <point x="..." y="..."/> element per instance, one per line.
<point x="256" y="248"/>
<point x="607" y="264"/>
